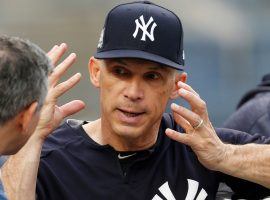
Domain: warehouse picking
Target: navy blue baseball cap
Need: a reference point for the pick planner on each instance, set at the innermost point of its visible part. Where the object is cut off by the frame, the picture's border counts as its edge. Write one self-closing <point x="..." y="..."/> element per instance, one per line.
<point x="142" y="30"/>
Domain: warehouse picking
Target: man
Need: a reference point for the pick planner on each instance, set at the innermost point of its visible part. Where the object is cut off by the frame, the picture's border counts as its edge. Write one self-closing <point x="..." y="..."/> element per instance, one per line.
<point x="253" y="111"/>
<point x="252" y="115"/>
<point x="24" y="70"/>
<point x="125" y="154"/>
<point x="22" y="64"/>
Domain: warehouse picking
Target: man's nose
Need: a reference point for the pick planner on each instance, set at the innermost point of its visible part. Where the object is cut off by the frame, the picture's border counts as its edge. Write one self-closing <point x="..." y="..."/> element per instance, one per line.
<point x="134" y="91"/>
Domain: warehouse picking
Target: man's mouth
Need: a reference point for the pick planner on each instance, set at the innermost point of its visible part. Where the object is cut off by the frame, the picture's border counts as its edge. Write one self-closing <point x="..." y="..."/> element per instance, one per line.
<point x="129" y="113"/>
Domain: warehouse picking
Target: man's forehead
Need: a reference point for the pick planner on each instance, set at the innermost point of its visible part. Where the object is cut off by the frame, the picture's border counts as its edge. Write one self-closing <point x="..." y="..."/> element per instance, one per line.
<point x="129" y="62"/>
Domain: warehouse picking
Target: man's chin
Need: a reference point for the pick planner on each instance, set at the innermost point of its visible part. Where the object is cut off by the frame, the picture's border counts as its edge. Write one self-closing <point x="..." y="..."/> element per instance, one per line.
<point x="129" y="132"/>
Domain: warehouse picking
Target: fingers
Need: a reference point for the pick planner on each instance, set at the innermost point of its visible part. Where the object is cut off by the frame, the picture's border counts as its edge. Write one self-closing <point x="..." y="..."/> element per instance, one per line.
<point x="52" y="50"/>
<point x="186" y="118"/>
<point x="187" y="87"/>
<point x="63" y="87"/>
<point x="197" y="104"/>
<point x="57" y="52"/>
<point x="182" y="121"/>
<point x="72" y="108"/>
<point x="179" y="137"/>
<point x="191" y="118"/>
<point x="61" y="69"/>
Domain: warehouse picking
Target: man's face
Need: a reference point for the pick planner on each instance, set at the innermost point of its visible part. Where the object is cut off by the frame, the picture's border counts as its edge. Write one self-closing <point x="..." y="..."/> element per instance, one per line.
<point x="19" y="130"/>
<point x="30" y="129"/>
<point x="133" y="95"/>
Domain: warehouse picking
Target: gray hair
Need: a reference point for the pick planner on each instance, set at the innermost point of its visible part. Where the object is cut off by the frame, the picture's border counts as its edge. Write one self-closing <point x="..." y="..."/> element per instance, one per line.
<point x="24" y="70"/>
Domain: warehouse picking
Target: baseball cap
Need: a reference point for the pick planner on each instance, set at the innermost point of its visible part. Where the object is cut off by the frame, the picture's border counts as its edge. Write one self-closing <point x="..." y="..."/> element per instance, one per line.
<point x="142" y="30"/>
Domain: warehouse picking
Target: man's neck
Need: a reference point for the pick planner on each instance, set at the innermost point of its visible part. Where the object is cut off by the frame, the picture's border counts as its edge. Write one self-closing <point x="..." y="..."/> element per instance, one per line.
<point x="101" y="135"/>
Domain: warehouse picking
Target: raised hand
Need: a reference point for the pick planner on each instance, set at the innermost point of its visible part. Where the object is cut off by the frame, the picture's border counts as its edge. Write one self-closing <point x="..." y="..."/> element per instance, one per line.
<point x="20" y="170"/>
<point x="51" y="114"/>
<point x="199" y="132"/>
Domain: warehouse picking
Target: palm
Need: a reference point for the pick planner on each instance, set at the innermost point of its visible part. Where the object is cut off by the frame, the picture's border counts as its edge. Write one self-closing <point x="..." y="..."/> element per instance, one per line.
<point x="50" y="118"/>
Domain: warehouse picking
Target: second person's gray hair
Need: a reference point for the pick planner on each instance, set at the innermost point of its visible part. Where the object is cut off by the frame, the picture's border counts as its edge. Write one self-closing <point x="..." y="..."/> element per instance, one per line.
<point x="24" y="70"/>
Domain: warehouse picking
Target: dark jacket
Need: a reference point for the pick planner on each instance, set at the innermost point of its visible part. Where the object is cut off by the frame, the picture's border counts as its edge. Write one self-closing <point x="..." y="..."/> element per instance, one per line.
<point x="253" y="111"/>
<point x="73" y="166"/>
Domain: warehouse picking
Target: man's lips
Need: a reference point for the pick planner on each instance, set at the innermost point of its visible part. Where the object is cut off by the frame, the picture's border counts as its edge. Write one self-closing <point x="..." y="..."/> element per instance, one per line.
<point x="131" y="113"/>
<point x="130" y="117"/>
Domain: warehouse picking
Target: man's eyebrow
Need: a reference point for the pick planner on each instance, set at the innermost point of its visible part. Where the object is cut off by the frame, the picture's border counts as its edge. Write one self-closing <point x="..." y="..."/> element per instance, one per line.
<point x="121" y="61"/>
<point x="155" y="67"/>
<point x="159" y="67"/>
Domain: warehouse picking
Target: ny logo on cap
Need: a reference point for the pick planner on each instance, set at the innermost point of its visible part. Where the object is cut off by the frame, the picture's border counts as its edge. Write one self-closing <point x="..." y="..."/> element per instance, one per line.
<point x="141" y="25"/>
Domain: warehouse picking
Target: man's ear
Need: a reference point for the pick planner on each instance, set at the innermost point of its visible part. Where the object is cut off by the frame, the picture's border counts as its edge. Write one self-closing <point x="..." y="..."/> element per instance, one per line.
<point x="178" y="77"/>
<point x="25" y="117"/>
<point x="94" y="71"/>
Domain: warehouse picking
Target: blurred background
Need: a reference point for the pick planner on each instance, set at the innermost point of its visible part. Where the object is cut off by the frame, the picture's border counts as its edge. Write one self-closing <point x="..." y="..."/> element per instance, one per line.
<point x="227" y="43"/>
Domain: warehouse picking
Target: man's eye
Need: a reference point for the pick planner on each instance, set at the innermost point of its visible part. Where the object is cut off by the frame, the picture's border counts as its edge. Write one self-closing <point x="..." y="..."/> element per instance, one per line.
<point x="120" y="71"/>
<point x="152" y="76"/>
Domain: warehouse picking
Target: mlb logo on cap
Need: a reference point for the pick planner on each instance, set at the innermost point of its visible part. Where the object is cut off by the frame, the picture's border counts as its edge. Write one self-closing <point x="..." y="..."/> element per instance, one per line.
<point x="142" y="30"/>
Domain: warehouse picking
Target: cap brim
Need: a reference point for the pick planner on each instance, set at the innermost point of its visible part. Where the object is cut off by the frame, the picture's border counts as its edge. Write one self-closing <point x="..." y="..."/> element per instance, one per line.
<point x="138" y="54"/>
